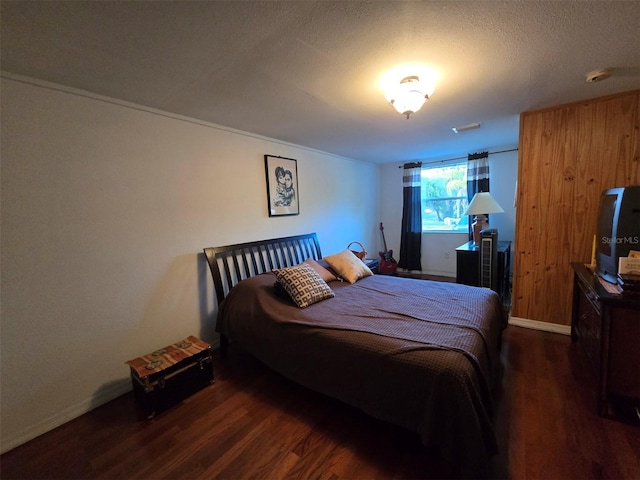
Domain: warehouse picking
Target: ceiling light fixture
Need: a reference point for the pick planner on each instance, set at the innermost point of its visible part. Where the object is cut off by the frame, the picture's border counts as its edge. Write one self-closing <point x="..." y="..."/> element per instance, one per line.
<point x="408" y="95"/>
<point x="465" y="128"/>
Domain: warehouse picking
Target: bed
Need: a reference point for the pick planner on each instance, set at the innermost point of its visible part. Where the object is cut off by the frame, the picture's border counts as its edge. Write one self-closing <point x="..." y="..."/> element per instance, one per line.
<point x="420" y="354"/>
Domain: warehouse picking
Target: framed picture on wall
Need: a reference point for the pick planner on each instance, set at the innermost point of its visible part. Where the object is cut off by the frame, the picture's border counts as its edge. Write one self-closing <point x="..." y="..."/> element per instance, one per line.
<point x="282" y="185"/>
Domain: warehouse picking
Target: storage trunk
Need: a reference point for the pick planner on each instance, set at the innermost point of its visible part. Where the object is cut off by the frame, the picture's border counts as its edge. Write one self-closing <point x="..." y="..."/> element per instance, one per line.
<point x="167" y="376"/>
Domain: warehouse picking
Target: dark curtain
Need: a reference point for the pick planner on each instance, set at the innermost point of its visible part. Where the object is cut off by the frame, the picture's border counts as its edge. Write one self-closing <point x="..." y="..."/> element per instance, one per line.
<point x="411" y="235"/>
<point x="477" y="178"/>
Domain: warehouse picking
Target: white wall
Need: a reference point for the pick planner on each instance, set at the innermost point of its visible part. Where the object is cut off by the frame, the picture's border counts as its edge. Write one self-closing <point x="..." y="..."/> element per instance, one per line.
<point x="105" y="210"/>
<point x="438" y="249"/>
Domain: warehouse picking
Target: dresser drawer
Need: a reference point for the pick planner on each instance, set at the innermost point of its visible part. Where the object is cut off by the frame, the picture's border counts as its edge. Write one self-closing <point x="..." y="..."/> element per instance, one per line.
<point x="589" y="327"/>
<point x="624" y="357"/>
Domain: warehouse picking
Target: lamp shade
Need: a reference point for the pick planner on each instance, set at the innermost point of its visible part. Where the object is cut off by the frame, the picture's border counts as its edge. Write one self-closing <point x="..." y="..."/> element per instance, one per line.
<point x="483" y="204"/>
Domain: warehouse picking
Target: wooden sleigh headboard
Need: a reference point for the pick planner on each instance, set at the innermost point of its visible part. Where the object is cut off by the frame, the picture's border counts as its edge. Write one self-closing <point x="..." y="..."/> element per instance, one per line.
<point x="232" y="263"/>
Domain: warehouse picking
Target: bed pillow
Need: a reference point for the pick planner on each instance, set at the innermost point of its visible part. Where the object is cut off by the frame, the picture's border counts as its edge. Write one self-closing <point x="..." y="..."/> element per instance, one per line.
<point x="348" y="266"/>
<point x="325" y="274"/>
<point x="303" y="284"/>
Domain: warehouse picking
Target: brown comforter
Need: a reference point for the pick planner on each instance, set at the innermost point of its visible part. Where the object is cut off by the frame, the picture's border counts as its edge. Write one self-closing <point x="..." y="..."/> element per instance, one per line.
<point x="420" y="354"/>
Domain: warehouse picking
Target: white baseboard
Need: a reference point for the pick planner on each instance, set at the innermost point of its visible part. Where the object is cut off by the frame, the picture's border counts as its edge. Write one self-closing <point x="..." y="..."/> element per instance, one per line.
<point x="537" y="325"/>
<point x="113" y="391"/>
<point x="101" y="397"/>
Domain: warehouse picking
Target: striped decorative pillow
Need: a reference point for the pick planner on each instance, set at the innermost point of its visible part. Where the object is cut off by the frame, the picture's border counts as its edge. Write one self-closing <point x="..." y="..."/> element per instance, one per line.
<point x="303" y="284"/>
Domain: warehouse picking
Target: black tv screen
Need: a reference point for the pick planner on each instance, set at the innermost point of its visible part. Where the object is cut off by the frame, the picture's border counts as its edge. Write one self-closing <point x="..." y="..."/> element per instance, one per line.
<point x="618" y="229"/>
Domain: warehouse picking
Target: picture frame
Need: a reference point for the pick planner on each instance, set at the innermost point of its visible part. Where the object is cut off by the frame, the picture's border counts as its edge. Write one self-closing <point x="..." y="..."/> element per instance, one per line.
<point x="282" y="186"/>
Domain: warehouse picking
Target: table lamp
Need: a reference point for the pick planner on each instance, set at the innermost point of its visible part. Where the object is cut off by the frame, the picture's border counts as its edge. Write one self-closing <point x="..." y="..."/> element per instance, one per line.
<point x="481" y="205"/>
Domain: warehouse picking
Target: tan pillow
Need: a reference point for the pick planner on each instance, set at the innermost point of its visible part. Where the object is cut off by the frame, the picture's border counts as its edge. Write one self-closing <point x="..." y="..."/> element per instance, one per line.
<point x="325" y="274"/>
<point x="348" y="266"/>
<point x="303" y="284"/>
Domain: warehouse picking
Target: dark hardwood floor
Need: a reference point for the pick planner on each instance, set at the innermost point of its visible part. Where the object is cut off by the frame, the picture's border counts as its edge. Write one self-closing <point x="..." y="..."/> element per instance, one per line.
<point x="254" y="424"/>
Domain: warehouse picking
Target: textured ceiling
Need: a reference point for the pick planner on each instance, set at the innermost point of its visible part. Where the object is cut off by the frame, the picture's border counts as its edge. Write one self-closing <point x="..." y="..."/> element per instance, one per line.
<point x="307" y="72"/>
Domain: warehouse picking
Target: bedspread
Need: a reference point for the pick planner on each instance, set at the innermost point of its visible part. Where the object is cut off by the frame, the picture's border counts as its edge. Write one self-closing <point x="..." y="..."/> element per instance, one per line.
<point x="420" y="354"/>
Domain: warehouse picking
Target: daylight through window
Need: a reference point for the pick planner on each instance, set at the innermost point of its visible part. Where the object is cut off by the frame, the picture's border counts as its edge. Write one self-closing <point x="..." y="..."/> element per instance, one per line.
<point x="444" y="198"/>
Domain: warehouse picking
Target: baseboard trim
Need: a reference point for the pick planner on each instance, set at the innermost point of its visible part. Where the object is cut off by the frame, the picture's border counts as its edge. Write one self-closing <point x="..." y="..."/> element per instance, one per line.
<point x="113" y="391"/>
<point x="104" y="395"/>
<point x="537" y="325"/>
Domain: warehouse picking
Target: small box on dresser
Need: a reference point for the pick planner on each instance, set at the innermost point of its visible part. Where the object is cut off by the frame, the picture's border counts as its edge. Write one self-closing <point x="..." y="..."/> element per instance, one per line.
<point x="167" y="376"/>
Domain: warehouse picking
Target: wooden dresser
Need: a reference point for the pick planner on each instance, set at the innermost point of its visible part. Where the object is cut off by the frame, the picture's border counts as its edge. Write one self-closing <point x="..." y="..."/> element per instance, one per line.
<point x="608" y="327"/>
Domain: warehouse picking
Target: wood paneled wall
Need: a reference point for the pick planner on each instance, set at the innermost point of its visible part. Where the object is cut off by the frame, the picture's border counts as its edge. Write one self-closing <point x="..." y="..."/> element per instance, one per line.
<point x="567" y="156"/>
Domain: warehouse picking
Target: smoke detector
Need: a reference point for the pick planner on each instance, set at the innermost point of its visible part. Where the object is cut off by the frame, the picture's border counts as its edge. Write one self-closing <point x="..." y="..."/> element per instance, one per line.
<point x="598" y="75"/>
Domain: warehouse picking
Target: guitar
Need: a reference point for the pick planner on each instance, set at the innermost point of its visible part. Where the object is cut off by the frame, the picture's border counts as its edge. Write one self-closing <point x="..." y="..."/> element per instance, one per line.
<point x="387" y="263"/>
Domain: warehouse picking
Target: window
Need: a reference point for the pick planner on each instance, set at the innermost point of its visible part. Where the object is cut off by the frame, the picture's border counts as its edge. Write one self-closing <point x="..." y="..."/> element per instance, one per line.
<point x="443" y="191"/>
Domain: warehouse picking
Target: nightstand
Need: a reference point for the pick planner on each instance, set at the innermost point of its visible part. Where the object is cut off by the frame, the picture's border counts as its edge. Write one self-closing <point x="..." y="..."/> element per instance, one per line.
<point x="468" y="266"/>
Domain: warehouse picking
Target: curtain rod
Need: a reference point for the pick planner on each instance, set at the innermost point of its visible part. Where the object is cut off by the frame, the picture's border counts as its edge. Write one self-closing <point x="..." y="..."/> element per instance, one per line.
<point x="466" y="156"/>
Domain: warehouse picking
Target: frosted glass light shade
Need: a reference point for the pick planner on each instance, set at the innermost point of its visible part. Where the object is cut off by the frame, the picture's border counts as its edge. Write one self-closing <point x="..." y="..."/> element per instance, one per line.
<point x="409" y="95"/>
